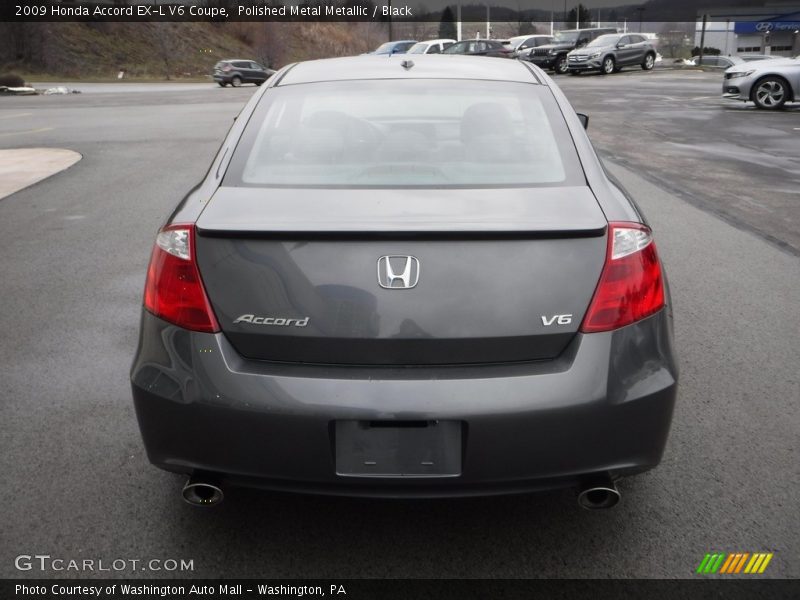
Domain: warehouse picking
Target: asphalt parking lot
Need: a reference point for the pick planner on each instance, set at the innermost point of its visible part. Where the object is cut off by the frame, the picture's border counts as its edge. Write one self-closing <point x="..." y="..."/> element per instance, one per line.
<point x="720" y="184"/>
<point x="725" y="156"/>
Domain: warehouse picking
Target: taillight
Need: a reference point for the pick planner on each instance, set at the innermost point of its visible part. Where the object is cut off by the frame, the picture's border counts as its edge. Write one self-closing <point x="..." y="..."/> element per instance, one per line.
<point x="631" y="286"/>
<point x="174" y="290"/>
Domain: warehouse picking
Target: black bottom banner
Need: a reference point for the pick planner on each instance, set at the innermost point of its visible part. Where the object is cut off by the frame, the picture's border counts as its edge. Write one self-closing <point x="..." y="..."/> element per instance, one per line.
<point x="374" y="589"/>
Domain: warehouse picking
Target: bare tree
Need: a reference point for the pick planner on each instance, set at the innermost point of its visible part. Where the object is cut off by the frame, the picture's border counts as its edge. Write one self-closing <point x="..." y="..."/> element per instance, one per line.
<point x="672" y="39"/>
<point x="167" y="43"/>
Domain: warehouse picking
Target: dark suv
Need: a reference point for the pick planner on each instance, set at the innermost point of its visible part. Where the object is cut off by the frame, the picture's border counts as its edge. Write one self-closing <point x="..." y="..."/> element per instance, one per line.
<point x="554" y="56"/>
<point x="236" y="72"/>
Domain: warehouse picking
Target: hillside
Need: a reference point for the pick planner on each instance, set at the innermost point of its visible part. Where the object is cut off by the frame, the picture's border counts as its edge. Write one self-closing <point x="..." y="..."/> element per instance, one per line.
<point x="170" y="50"/>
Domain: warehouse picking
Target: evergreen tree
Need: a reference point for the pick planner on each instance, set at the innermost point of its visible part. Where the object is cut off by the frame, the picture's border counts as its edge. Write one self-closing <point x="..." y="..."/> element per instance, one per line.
<point x="583" y="15"/>
<point x="447" y="25"/>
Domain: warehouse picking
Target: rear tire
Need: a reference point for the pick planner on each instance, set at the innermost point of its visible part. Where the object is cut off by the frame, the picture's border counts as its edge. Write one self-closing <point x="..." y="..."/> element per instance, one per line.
<point x="608" y="65"/>
<point x="561" y="67"/>
<point x="649" y="62"/>
<point x="770" y="93"/>
<point x="236" y="81"/>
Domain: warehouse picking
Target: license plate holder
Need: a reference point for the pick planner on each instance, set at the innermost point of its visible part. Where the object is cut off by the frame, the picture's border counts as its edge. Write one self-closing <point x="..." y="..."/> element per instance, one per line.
<point x="398" y="448"/>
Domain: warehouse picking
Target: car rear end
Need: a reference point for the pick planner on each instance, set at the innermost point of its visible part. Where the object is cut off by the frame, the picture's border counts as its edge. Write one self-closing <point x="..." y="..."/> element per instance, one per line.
<point x="496" y="48"/>
<point x="222" y="72"/>
<point x="371" y="303"/>
<point x="502" y="51"/>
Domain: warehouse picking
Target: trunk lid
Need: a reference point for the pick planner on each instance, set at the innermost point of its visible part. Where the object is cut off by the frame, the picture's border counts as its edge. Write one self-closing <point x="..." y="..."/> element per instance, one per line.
<point x="300" y="275"/>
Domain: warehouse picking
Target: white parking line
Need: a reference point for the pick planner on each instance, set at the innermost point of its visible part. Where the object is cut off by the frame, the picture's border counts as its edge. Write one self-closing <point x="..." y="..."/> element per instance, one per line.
<point x="16" y="116"/>
<point x="40" y="130"/>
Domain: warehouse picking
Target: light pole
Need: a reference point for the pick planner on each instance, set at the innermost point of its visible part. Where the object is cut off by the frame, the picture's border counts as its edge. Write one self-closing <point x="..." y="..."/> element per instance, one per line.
<point x="390" y="20"/>
<point x="702" y="39"/>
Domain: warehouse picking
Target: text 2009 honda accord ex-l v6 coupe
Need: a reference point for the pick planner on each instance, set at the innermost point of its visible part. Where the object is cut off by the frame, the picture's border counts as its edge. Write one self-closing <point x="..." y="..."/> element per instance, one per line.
<point x="406" y="278"/>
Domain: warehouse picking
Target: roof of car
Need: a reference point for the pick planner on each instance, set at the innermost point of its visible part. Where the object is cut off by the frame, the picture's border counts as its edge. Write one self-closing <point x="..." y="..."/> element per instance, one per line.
<point x="425" y="66"/>
<point x="608" y="29"/>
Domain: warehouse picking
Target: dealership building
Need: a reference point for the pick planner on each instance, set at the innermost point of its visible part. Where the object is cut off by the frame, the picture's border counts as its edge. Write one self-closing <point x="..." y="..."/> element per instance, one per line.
<point x="772" y="28"/>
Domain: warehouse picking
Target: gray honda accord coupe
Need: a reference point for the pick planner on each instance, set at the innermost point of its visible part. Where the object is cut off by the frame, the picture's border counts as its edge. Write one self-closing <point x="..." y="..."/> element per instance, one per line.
<point x="406" y="277"/>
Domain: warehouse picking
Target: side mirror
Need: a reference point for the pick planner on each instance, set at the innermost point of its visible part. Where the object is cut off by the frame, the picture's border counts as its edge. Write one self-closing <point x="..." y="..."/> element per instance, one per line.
<point x="584" y="119"/>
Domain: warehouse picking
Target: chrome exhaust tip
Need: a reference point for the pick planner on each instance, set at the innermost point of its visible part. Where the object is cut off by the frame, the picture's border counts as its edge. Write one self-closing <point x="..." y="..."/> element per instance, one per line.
<point x="598" y="493"/>
<point x="202" y="491"/>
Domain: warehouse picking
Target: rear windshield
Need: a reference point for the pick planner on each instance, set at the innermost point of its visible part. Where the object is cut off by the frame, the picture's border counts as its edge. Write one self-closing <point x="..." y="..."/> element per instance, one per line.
<point x="400" y="133"/>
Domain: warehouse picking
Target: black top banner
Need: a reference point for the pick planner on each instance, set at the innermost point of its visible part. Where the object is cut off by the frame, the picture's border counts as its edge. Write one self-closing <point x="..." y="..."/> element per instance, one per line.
<point x="560" y="11"/>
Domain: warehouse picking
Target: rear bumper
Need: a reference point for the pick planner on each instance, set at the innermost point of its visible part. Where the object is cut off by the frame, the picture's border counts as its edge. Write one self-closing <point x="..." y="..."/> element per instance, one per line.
<point x="605" y="405"/>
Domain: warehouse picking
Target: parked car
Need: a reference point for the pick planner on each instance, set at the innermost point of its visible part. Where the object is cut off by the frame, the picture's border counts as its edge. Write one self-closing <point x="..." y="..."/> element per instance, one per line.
<point x="399" y="47"/>
<point x="458" y="301"/>
<point x="522" y="46"/>
<point x="653" y="37"/>
<point x="717" y="62"/>
<point x="431" y="46"/>
<point x="238" y="71"/>
<point x="611" y="52"/>
<point x="754" y="57"/>
<point x="479" y="48"/>
<point x="554" y="56"/>
<point x="768" y="83"/>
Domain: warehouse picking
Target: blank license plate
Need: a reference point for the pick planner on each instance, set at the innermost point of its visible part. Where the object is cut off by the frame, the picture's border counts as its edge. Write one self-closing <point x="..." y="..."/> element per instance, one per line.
<point x="398" y="448"/>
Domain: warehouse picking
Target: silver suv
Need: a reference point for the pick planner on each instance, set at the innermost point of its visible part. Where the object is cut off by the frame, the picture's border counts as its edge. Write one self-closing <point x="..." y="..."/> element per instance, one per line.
<point x="610" y="53"/>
